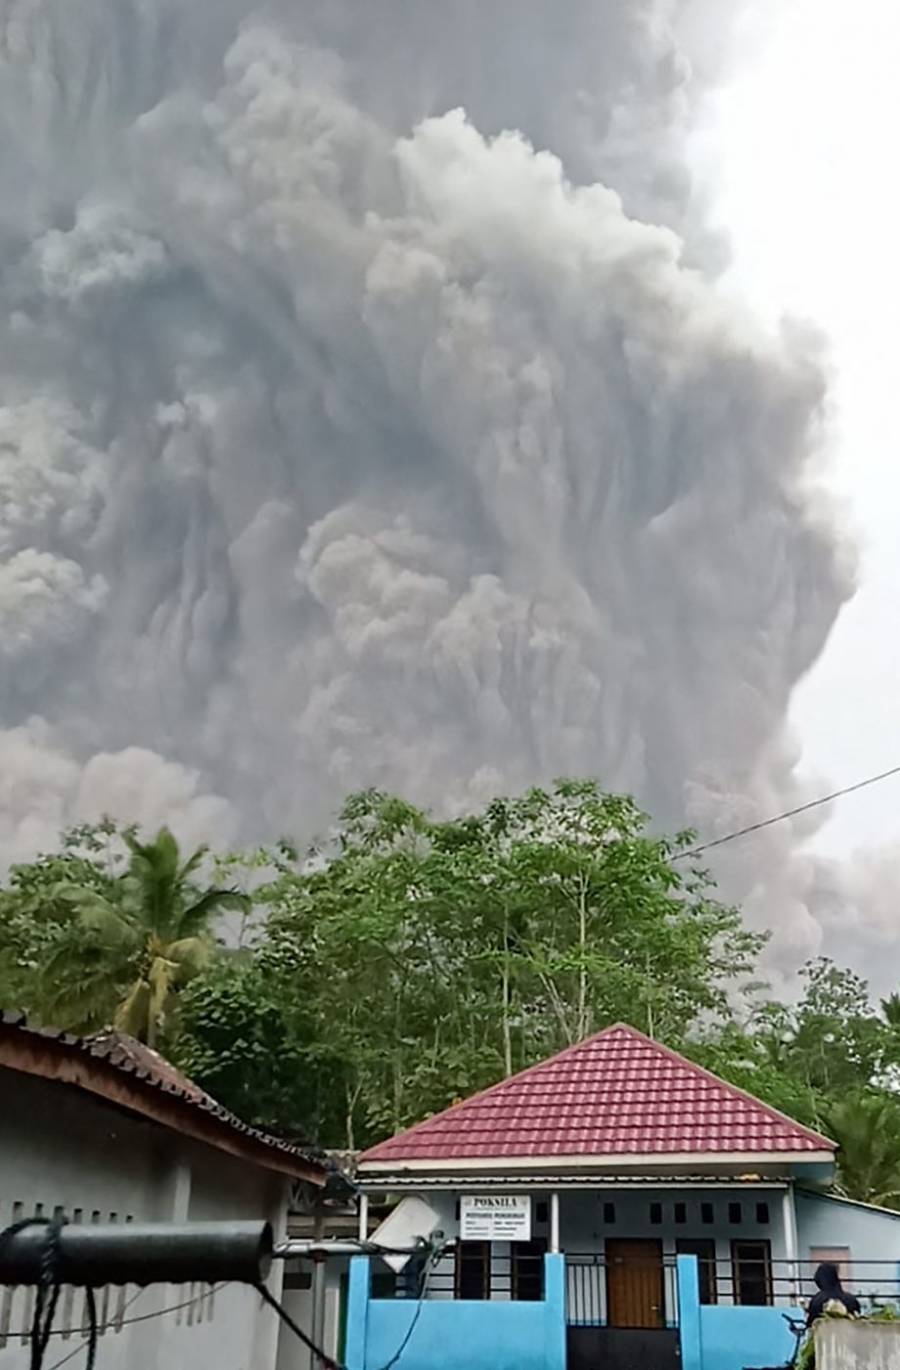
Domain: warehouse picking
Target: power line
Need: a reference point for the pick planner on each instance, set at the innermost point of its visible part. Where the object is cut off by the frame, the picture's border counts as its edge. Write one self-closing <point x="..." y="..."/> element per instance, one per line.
<point x="789" y="813"/>
<point x="323" y="1359"/>
<point x="127" y="1322"/>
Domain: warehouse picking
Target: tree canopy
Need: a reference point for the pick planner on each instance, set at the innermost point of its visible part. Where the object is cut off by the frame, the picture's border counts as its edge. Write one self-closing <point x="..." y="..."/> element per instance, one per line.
<point x="406" y="961"/>
<point x="85" y="946"/>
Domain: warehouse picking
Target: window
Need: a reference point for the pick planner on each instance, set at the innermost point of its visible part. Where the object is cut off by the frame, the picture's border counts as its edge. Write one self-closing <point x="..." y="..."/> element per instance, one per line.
<point x="541" y="1211"/>
<point x="832" y="1255"/>
<point x="384" y="1285"/>
<point x="704" y="1248"/>
<point x="707" y="1215"/>
<point x="681" y="1214"/>
<point x="762" y="1214"/>
<point x="528" y="1270"/>
<point x="297" y="1275"/>
<point x="656" y="1214"/>
<point x="735" y="1215"/>
<point x="408" y="1284"/>
<point x="609" y="1214"/>
<point x="473" y="1270"/>
<point x="752" y="1273"/>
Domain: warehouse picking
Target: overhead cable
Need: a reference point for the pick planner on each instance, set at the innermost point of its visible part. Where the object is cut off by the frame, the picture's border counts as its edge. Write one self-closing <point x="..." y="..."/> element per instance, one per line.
<point x="789" y="813"/>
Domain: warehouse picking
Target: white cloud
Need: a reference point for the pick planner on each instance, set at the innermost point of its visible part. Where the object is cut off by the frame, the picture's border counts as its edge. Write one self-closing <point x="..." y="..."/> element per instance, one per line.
<point x="45" y="605"/>
<point x="43" y="789"/>
<point x="403" y="448"/>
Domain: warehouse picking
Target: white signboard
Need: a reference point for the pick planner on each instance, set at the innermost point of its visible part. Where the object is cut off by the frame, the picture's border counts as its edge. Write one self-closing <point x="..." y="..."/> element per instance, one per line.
<point x="495" y="1218"/>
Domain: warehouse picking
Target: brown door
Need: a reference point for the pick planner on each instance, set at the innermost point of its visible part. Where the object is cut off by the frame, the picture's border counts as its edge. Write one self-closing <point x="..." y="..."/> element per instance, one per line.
<point x="634" y="1284"/>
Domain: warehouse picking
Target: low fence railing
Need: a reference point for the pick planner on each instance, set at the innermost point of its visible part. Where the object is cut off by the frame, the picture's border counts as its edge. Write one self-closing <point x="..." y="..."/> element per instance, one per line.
<point x="627" y="1292"/>
<point x="760" y="1282"/>
<point x="604" y="1289"/>
<point x="466" y="1274"/>
<point x="623" y="1292"/>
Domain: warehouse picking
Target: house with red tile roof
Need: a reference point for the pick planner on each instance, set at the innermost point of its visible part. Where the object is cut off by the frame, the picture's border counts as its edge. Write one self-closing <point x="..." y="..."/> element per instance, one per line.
<point x="619" y="1159"/>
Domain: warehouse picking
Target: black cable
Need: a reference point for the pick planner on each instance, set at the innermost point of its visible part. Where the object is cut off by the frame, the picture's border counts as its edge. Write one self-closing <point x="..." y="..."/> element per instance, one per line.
<point x="789" y="813"/>
<point x="91" y="1304"/>
<point x="326" y="1361"/>
<point x="48" y="1290"/>
<point x="389" y="1365"/>
<point x="125" y="1322"/>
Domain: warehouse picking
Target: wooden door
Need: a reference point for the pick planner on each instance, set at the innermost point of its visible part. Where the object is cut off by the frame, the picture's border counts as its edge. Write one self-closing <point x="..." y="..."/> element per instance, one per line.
<point x="634" y="1284"/>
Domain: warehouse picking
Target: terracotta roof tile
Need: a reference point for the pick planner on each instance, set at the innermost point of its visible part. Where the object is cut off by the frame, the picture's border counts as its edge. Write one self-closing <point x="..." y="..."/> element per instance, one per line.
<point x="616" y="1094"/>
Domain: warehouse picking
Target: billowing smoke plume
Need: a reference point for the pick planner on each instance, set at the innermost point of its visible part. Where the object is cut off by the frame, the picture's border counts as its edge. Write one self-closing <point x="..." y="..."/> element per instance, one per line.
<point x="369" y="414"/>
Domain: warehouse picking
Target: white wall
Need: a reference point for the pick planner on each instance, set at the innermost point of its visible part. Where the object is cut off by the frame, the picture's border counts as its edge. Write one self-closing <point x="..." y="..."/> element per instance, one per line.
<point x="61" y="1148"/>
<point x="298" y="1303"/>
<point x="584" y="1232"/>
<point x="857" y="1345"/>
<point x="872" y="1235"/>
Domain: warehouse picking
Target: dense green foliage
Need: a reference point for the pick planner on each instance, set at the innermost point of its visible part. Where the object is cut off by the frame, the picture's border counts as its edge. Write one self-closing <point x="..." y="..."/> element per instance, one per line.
<point x="406" y="962"/>
<point x="107" y="932"/>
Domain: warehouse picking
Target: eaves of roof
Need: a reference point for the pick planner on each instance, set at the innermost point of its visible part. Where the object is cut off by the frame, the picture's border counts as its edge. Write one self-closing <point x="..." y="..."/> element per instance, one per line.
<point x="127" y="1074"/>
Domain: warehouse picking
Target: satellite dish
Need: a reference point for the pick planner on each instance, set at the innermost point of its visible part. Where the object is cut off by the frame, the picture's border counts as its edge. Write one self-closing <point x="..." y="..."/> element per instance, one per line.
<point x="411" y="1223"/>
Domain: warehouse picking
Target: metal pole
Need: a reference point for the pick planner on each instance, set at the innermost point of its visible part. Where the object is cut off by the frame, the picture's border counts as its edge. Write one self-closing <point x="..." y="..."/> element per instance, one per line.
<point x="363" y="1217"/>
<point x="313" y="1250"/>
<point x="318" y="1311"/>
<point x="554" y="1223"/>
<point x="789" y="1218"/>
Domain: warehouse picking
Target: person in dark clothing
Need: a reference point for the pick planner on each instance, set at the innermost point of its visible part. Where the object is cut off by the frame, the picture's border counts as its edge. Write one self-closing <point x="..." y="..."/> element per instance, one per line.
<point x="831" y="1291"/>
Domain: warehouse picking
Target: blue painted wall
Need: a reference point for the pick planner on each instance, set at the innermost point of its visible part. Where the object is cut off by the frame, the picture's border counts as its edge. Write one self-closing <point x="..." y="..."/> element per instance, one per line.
<point x="732" y="1338"/>
<point x="457" y="1335"/>
<point x="716" y="1337"/>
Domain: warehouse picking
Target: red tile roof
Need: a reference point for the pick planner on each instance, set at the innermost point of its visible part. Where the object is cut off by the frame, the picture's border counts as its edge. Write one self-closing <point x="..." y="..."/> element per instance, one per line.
<point x="616" y="1094"/>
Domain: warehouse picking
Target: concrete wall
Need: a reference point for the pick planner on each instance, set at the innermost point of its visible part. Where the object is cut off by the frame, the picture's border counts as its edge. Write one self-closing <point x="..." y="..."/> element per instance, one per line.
<point x="584" y="1232"/>
<point x="63" y="1149"/>
<point x="857" y="1345"/>
<point x="298" y="1303"/>
<point x="456" y="1335"/>
<point x="726" y="1337"/>
<point x="583" y="1229"/>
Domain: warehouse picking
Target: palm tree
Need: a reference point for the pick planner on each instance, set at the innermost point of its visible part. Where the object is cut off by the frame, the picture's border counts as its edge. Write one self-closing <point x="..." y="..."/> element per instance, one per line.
<point x="890" y="1010"/>
<point x="867" y="1130"/>
<point x="126" y="955"/>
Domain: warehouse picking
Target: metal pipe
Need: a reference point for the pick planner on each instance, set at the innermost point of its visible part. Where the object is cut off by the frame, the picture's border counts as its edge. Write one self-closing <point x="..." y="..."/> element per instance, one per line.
<point x="305" y="1247"/>
<point x="311" y="1248"/>
<point x="141" y="1253"/>
<point x="318" y="1310"/>
<point x="789" y="1222"/>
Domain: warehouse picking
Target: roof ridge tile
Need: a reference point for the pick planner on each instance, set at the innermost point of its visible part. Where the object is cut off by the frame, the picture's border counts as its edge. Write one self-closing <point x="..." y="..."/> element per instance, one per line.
<point x="612" y="1094"/>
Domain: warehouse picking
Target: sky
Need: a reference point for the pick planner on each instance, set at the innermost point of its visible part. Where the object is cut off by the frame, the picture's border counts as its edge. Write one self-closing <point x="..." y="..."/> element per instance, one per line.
<point x="800" y="147"/>
<point x="374" y="410"/>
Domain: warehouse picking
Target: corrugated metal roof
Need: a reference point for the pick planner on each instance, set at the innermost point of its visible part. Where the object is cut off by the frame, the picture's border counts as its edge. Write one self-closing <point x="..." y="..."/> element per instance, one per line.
<point x="617" y="1094"/>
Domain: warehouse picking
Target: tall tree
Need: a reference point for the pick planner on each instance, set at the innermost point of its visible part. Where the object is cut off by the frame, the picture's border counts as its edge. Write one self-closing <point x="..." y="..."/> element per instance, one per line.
<point x="35" y="913"/>
<point x="425" y="959"/>
<point x="127" y="949"/>
<point x="866" y="1127"/>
